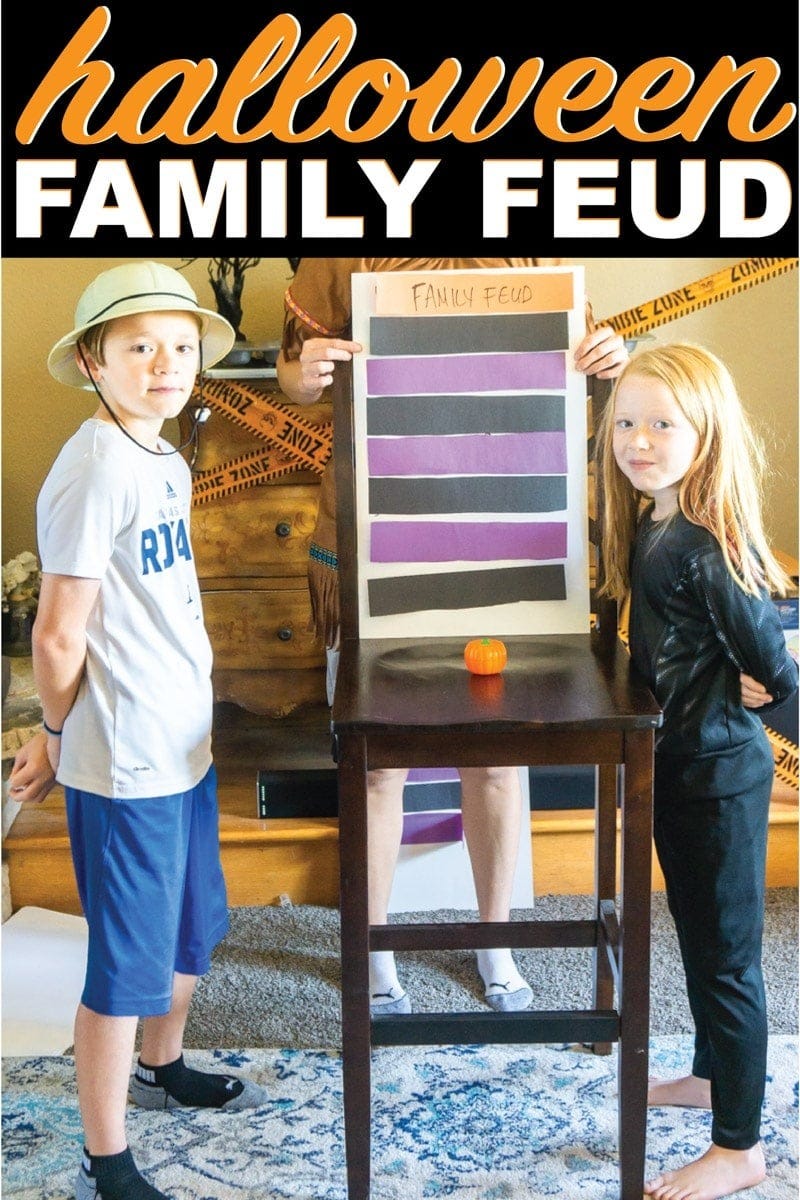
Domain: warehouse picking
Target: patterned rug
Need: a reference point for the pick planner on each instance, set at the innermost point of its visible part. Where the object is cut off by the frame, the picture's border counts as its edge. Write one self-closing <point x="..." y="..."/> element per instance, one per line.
<point x="476" y="1122"/>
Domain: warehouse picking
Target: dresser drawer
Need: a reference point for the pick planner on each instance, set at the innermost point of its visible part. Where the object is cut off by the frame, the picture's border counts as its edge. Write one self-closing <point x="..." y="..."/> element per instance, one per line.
<point x="262" y="531"/>
<point x="261" y="628"/>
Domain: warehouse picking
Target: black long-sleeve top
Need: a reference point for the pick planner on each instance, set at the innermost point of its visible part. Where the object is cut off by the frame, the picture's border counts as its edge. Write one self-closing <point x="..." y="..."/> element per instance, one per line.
<point x="692" y="631"/>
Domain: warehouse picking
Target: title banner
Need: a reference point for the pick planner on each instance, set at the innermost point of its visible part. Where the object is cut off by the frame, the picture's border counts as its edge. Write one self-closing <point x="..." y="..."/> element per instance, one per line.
<point x="349" y="130"/>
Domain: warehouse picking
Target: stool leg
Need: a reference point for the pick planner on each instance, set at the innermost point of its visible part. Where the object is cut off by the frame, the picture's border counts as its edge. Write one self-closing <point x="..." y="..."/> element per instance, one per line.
<point x="353" y="907"/>
<point x="605" y="882"/>
<point x="634" y="982"/>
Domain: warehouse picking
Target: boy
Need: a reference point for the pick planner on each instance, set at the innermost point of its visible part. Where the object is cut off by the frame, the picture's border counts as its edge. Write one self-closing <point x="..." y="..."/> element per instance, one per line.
<point x="122" y="662"/>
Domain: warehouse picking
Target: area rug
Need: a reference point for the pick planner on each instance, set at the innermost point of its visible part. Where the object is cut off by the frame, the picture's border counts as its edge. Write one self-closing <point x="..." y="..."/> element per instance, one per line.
<point x="476" y="1122"/>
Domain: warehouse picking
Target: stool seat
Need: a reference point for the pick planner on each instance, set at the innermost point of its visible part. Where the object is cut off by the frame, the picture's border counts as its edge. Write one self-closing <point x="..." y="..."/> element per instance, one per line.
<point x="562" y="699"/>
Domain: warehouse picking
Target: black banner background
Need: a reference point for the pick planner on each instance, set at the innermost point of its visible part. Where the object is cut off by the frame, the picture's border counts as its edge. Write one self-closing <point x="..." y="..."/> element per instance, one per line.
<point x="417" y="37"/>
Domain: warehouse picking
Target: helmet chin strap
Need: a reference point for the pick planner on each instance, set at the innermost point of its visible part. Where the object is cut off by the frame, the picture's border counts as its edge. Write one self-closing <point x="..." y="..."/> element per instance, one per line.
<point x="199" y="417"/>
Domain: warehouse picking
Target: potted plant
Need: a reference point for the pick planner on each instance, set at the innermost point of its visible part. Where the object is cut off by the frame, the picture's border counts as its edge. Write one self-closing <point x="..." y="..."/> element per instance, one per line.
<point x="227" y="276"/>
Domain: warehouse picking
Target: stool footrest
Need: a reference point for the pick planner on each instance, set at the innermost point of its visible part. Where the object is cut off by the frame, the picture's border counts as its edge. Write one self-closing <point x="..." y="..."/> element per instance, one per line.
<point x="477" y="935"/>
<point x="491" y="1028"/>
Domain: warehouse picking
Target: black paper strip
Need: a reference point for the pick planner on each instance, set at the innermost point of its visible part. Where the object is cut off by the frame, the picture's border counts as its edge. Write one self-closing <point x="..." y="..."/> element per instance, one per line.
<point x="465" y="589"/>
<point x="468" y="334"/>
<point x="396" y="416"/>
<point x="469" y="494"/>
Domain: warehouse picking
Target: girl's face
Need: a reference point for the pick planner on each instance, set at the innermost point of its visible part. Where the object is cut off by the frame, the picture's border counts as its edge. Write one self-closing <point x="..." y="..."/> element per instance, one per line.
<point x="150" y="364"/>
<point x="654" y="443"/>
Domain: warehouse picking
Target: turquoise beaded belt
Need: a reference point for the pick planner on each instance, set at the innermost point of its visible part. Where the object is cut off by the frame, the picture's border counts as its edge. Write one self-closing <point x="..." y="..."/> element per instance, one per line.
<point x="324" y="556"/>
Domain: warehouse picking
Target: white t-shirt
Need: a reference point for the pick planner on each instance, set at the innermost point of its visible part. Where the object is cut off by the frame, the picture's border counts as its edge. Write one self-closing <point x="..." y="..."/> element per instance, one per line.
<point x="141" y="721"/>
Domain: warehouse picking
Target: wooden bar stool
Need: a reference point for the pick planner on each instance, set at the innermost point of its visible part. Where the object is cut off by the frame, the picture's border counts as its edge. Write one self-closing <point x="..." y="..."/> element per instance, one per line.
<point x="565" y="700"/>
<point x="561" y="700"/>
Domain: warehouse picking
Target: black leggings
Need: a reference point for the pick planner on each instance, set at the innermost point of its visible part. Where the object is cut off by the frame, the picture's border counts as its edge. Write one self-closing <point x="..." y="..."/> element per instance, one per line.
<point x="713" y="855"/>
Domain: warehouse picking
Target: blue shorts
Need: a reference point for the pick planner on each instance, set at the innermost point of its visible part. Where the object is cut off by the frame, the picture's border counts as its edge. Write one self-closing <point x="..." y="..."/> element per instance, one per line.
<point x="151" y="885"/>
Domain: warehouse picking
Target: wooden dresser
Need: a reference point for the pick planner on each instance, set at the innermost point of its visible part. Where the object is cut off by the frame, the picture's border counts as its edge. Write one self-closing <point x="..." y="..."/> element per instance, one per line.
<point x="251" y="549"/>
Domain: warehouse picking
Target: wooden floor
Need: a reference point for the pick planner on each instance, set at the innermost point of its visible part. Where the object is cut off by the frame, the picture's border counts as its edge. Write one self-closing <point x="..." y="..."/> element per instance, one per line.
<point x="265" y="860"/>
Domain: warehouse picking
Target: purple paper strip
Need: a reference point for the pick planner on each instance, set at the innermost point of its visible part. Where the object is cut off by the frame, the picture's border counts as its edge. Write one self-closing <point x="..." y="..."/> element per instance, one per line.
<point x="469" y="454"/>
<point x="466" y="373"/>
<point x="431" y="828"/>
<point x="431" y="774"/>
<point x="467" y="541"/>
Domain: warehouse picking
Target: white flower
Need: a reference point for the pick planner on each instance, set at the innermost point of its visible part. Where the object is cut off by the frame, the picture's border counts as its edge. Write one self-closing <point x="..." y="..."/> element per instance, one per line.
<point x="21" y="580"/>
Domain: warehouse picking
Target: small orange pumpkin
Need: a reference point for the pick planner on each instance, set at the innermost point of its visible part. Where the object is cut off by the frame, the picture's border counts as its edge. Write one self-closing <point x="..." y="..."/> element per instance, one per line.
<point x="485" y="656"/>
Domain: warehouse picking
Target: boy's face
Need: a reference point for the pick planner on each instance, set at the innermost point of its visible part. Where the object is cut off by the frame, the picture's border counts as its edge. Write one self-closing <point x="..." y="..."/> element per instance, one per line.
<point x="150" y="361"/>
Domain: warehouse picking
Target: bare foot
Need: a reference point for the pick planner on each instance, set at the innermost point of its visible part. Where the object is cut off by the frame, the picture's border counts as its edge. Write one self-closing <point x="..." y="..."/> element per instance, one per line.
<point x="718" y="1173"/>
<point x="688" y="1092"/>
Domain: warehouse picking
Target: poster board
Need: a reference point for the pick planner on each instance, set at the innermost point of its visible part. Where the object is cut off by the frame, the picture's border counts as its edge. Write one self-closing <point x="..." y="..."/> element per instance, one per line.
<point x="470" y="441"/>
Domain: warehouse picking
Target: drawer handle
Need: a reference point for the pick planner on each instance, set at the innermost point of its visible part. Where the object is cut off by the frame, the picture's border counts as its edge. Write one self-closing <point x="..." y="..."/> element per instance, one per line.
<point x="283" y="529"/>
<point x="285" y="635"/>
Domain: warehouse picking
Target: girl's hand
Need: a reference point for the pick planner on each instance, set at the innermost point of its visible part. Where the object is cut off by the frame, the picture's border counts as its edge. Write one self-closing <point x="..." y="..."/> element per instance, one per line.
<point x="33" y="774"/>
<point x="602" y="353"/>
<point x="754" y="694"/>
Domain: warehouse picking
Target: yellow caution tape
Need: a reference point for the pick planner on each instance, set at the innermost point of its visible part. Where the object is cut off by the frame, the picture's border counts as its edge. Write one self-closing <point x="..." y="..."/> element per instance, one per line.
<point x="279" y="424"/>
<point x="785" y="754"/>
<point x="251" y="469"/>
<point x="298" y="442"/>
<point x="692" y="296"/>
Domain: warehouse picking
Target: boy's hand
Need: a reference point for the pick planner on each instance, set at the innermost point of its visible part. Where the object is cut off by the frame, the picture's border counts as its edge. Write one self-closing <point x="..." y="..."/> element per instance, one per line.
<point x="34" y="771"/>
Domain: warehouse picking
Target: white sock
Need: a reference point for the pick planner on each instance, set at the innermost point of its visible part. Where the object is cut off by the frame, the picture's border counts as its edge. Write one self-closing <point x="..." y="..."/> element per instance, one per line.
<point x="498" y="972"/>
<point x="384" y="986"/>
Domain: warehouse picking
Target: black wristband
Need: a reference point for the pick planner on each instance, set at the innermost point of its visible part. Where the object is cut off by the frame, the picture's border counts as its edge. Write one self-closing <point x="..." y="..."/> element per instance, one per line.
<point x="52" y="732"/>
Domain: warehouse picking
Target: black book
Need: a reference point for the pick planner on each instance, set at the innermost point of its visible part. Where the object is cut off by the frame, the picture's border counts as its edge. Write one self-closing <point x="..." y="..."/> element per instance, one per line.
<point x="297" y="793"/>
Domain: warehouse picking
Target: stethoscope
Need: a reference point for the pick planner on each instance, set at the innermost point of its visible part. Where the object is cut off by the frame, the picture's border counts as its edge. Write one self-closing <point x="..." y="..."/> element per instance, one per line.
<point x="199" y="417"/>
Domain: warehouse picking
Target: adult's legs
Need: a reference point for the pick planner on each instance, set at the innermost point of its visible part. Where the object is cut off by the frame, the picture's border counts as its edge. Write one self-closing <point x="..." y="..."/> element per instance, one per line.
<point x="491" y="811"/>
<point x="491" y="807"/>
<point x="385" y="830"/>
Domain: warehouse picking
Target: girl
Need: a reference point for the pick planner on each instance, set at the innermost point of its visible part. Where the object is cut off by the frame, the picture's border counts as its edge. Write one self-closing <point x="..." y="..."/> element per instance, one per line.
<point x="681" y="470"/>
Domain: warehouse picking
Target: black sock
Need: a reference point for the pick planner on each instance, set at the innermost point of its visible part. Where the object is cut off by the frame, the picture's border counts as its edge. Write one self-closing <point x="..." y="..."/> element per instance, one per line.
<point x="117" y="1177"/>
<point x="190" y="1087"/>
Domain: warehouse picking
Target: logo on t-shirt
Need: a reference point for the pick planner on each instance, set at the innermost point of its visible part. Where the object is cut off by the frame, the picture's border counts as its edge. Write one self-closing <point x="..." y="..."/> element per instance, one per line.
<point x="162" y="546"/>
